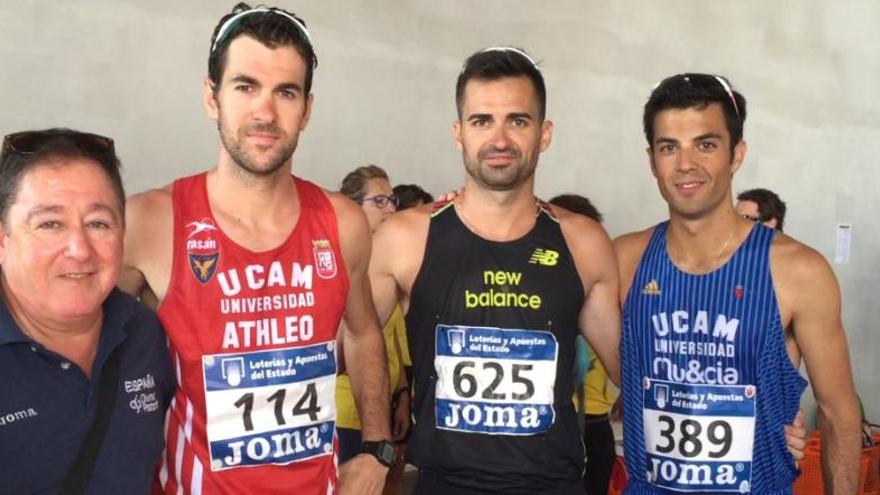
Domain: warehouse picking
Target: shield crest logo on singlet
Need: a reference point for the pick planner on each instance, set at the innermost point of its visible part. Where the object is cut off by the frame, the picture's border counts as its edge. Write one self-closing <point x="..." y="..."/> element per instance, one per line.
<point x="202" y="249"/>
<point x="325" y="261"/>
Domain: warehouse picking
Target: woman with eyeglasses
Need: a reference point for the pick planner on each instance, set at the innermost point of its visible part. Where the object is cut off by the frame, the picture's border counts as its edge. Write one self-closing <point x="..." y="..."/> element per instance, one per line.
<point x="369" y="186"/>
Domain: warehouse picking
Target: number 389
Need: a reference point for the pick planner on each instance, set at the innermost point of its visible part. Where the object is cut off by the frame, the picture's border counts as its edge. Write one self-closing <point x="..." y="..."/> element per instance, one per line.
<point x="718" y="434"/>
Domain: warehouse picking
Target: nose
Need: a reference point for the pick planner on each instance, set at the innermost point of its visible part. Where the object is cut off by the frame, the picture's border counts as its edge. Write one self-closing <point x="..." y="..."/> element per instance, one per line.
<point x="264" y="107"/>
<point x="78" y="245"/>
<point x="684" y="161"/>
<point x="500" y="140"/>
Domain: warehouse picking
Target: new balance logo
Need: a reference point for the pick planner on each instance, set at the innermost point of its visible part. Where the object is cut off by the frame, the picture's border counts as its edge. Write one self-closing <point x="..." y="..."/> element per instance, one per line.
<point x="545" y="257"/>
<point x="652" y="288"/>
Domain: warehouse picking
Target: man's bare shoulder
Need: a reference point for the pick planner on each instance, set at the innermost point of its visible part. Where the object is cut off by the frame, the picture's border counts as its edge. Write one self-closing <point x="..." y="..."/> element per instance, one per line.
<point x="577" y="227"/>
<point x="149" y="206"/>
<point x="794" y="263"/>
<point x="412" y="218"/>
<point x="629" y="247"/>
<point x="399" y="243"/>
<point x="148" y="218"/>
<point x="346" y="209"/>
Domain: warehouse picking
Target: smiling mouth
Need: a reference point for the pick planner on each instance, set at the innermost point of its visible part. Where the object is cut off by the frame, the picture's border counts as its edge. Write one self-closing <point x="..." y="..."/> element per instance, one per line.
<point x="688" y="186"/>
<point x="77" y="275"/>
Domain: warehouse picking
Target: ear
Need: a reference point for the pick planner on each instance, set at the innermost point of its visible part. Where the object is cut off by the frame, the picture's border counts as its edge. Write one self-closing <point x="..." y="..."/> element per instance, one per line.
<point x="307" y="113"/>
<point x="456" y="134"/>
<point x="546" y="134"/>
<point x="772" y="223"/>
<point x="3" y="238"/>
<point x="739" y="154"/>
<point x="209" y="99"/>
<point x="648" y="151"/>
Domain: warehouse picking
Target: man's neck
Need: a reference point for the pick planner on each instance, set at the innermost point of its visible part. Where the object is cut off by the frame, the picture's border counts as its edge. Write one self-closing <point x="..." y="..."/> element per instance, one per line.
<point x="255" y="196"/>
<point x="702" y="245"/>
<point x="497" y="215"/>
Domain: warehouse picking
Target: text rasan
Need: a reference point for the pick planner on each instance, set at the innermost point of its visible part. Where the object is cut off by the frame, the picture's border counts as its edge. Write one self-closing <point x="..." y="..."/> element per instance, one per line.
<point x="680" y="322"/>
<point x="257" y="277"/>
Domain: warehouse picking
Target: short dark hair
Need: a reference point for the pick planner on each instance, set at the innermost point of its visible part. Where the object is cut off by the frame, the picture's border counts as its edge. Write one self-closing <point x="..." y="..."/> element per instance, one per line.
<point x="770" y="205"/>
<point x="410" y="195"/>
<point x="271" y="26"/>
<point x="576" y="203"/>
<point x="354" y="182"/>
<point x="54" y="146"/>
<point x="497" y="63"/>
<point x="698" y="91"/>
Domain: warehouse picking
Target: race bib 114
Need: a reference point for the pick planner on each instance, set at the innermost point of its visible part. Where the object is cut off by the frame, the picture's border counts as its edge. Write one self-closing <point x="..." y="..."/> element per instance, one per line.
<point x="270" y="407"/>
<point x="494" y="381"/>
<point x="699" y="438"/>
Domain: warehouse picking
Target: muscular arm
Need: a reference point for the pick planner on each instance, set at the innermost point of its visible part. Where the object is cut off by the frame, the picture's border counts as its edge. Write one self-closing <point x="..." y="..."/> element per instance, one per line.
<point x="599" y="318"/>
<point x="399" y="247"/>
<point x="364" y="346"/>
<point x="810" y="299"/>
<point x="146" y="263"/>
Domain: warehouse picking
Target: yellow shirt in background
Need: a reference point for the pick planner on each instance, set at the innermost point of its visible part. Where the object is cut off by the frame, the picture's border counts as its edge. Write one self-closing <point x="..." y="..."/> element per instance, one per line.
<point x="598" y="395"/>
<point x="346" y="412"/>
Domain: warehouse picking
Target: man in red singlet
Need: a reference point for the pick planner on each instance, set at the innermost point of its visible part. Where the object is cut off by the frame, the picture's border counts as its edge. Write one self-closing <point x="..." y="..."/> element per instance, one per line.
<point x="251" y="270"/>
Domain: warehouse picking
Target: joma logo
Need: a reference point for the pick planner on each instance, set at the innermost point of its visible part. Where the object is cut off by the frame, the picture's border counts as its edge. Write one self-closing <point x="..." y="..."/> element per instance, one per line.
<point x="12" y="417"/>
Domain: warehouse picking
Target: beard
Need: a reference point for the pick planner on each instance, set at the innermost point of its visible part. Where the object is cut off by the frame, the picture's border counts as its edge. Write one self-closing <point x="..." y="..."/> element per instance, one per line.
<point x="501" y="178"/>
<point x="234" y="141"/>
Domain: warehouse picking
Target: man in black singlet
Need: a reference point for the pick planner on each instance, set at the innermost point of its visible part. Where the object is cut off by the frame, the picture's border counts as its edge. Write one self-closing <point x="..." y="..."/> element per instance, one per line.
<point x="496" y="285"/>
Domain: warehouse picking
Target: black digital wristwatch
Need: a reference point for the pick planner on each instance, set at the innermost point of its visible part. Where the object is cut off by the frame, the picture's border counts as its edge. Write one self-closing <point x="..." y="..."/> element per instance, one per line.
<point x="384" y="451"/>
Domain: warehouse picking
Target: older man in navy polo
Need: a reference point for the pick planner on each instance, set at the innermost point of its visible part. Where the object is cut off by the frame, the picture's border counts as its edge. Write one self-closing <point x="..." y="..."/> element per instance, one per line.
<point x="86" y="374"/>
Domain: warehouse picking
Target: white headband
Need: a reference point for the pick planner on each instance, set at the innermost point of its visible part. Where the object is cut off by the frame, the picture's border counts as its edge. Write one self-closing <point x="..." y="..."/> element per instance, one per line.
<point x="514" y="50"/>
<point x="226" y="25"/>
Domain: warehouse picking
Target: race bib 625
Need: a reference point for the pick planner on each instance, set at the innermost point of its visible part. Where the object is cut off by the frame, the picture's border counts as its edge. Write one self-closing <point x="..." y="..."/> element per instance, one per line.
<point x="494" y="381"/>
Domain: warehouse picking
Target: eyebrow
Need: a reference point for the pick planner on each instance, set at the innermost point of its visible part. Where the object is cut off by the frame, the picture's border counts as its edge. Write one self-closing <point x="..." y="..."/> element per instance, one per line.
<point x="47" y="209"/>
<point x="510" y="116"/>
<point x="665" y="140"/>
<point x="241" y="78"/>
<point x="701" y="137"/>
<point x="519" y="115"/>
<point x="708" y="135"/>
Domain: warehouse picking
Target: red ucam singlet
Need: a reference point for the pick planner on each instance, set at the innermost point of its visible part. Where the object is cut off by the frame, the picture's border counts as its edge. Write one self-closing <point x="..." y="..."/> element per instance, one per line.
<point x="252" y="335"/>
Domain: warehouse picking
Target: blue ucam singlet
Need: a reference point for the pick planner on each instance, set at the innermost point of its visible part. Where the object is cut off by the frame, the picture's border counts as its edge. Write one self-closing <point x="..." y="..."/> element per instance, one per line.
<point x="708" y="384"/>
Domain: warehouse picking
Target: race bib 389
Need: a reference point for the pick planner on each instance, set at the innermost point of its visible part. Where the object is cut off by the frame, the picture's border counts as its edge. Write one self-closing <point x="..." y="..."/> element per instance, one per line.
<point x="699" y="437"/>
<point x="270" y="407"/>
<point x="494" y="381"/>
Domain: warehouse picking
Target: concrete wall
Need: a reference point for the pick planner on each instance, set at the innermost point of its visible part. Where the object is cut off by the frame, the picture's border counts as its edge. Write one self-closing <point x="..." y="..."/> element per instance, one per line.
<point x="384" y="94"/>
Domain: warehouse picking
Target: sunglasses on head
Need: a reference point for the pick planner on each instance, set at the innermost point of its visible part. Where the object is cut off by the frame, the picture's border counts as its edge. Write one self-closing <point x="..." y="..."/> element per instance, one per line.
<point x="27" y="142"/>
<point x="705" y="81"/>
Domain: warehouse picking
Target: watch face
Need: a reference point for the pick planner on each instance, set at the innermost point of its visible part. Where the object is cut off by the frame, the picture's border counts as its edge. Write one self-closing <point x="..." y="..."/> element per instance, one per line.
<point x="386" y="452"/>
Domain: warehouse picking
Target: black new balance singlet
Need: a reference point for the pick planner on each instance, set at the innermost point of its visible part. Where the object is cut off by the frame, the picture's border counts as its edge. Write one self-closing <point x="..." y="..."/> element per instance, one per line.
<point x="492" y="329"/>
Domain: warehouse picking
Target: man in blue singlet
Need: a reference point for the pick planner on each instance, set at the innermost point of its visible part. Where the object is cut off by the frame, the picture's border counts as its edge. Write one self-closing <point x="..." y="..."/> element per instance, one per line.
<point x="718" y="312"/>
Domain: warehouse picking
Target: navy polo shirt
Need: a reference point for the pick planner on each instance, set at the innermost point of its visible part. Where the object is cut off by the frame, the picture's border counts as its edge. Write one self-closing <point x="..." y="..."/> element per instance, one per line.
<point x="47" y="404"/>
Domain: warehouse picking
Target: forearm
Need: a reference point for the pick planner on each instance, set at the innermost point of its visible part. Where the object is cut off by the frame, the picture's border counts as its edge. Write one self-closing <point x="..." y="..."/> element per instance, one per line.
<point x="368" y="371"/>
<point x="841" y="447"/>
